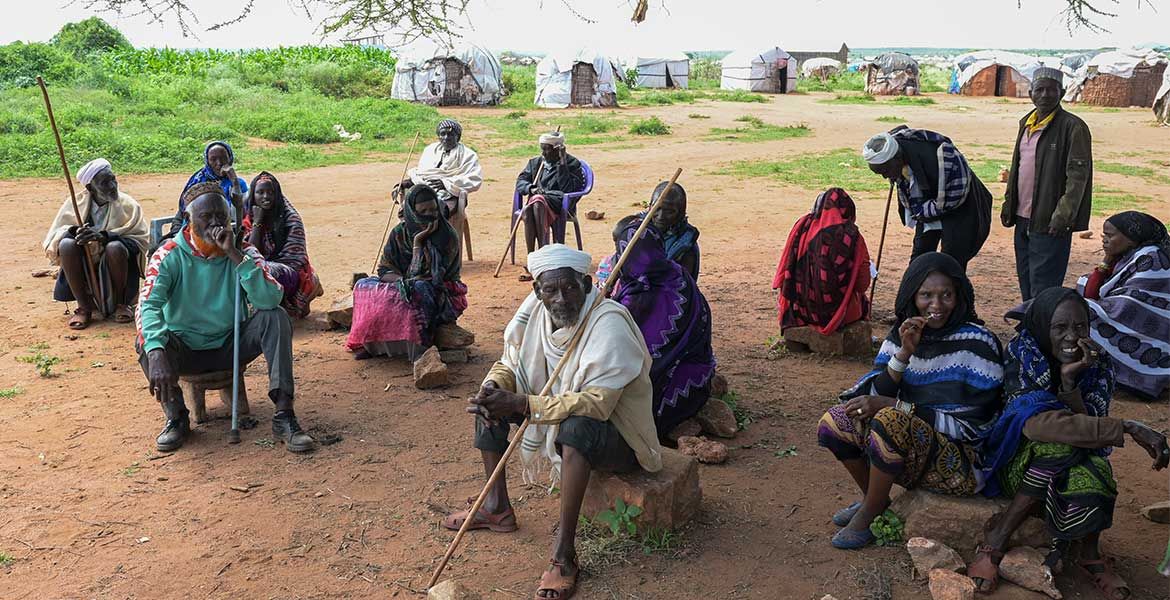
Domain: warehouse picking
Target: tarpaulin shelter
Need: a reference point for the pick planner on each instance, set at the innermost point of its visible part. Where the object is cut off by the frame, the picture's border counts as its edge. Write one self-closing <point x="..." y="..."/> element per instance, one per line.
<point x="768" y="70"/>
<point x="994" y="73"/>
<point x="1162" y="102"/>
<point x="465" y="74"/>
<point x="583" y="77"/>
<point x="891" y="74"/>
<point x="1118" y="78"/>
<point x="820" y="67"/>
<point x="660" y="70"/>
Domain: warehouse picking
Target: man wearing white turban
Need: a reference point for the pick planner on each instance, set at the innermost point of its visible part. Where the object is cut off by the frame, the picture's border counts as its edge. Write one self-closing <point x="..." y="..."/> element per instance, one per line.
<point x="940" y="197"/>
<point x="559" y="173"/>
<point x="116" y="233"/>
<point x="597" y="415"/>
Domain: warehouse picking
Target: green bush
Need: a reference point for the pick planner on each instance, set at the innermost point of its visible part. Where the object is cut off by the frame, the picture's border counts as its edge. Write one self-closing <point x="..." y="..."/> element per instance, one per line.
<point x="83" y="38"/>
<point x="519" y="83"/>
<point x="20" y="63"/>
<point x="651" y="126"/>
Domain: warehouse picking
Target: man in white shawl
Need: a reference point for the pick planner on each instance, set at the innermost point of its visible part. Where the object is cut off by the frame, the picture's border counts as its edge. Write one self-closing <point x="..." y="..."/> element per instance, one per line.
<point x="449" y="168"/>
<point x="597" y="415"/>
<point x="116" y="234"/>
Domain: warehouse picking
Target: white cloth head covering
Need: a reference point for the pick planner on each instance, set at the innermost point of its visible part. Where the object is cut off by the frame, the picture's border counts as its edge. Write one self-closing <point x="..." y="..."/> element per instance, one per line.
<point x="880" y="149"/>
<point x="90" y="170"/>
<point x="558" y="256"/>
<point x="555" y="139"/>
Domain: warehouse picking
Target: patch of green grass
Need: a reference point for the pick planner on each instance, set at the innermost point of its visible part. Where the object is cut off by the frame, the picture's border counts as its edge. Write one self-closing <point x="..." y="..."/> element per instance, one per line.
<point x="786" y="452"/>
<point x="663" y="97"/>
<point x="6" y="559"/>
<point x="757" y="131"/>
<point x="12" y="392"/>
<point x="131" y="470"/>
<point x="911" y="100"/>
<point x="658" y="539"/>
<point x="651" y="126"/>
<point x="1108" y="202"/>
<point x="743" y="418"/>
<point x="890" y="119"/>
<point x="698" y="116"/>
<point x="736" y="96"/>
<point x="849" y="99"/>
<point x="842" y="168"/>
<point x="42" y="362"/>
<point x="519" y="84"/>
<point x="1150" y="174"/>
<point x="988" y="168"/>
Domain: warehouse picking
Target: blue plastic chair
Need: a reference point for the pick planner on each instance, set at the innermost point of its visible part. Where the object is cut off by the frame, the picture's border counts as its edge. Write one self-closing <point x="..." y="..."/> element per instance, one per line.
<point x="568" y="212"/>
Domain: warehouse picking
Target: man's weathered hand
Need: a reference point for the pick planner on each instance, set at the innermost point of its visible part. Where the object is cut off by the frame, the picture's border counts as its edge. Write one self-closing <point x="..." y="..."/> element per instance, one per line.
<point x="158" y="372"/>
<point x="86" y="235"/>
<point x="496" y="404"/>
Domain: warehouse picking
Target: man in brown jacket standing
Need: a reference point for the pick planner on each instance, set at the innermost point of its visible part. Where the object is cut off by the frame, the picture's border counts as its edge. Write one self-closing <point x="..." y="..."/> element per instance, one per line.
<point x="1049" y="190"/>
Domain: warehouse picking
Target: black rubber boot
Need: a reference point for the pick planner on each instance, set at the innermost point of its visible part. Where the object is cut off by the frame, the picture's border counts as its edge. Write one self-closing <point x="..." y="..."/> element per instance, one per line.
<point x="287" y="430"/>
<point x="177" y="429"/>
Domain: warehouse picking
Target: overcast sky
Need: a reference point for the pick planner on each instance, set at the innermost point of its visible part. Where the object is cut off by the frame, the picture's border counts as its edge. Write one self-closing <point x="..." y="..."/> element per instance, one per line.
<point x="540" y="26"/>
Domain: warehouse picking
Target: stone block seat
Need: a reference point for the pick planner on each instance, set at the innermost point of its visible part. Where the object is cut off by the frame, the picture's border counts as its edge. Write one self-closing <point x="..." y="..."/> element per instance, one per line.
<point x="195" y="388"/>
<point x="668" y="498"/>
<point x="852" y="340"/>
<point x="959" y="521"/>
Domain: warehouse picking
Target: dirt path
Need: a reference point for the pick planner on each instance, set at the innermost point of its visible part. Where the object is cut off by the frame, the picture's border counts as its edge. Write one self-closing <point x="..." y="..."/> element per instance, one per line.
<point x="90" y="511"/>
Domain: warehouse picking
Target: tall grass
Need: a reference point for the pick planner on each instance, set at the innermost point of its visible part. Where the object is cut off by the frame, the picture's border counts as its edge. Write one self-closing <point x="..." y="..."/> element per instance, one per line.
<point x="842" y="168"/>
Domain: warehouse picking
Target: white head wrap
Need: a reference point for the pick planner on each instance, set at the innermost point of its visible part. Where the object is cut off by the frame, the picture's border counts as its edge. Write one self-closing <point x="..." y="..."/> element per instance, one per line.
<point x="558" y="256"/>
<point x="90" y="170"/>
<point x="555" y="139"/>
<point x="880" y="149"/>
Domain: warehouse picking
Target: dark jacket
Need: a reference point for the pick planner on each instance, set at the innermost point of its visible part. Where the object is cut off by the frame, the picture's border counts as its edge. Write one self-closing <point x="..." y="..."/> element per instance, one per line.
<point x="1064" y="175"/>
<point x="560" y="179"/>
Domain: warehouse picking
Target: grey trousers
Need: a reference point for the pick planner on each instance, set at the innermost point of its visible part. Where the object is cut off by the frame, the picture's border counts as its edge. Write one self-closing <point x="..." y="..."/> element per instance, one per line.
<point x="268" y="332"/>
<point x="1041" y="259"/>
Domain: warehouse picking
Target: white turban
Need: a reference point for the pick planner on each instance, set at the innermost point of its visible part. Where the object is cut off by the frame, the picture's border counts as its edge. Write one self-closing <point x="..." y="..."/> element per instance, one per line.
<point x="90" y="170"/>
<point x="558" y="256"/>
<point x="880" y="149"/>
<point x="555" y="139"/>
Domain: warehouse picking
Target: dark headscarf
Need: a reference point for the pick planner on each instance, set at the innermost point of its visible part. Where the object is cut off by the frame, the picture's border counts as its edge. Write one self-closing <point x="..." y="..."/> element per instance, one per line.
<point x="277" y="221"/>
<point x="207" y="174"/>
<point x="441" y="248"/>
<point x="1141" y="228"/>
<point x="920" y="268"/>
<point x="1038" y="318"/>
<point x="452" y="123"/>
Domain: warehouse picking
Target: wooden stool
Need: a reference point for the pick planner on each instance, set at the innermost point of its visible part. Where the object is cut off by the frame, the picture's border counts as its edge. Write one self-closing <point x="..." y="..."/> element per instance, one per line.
<point x="195" y="388"/>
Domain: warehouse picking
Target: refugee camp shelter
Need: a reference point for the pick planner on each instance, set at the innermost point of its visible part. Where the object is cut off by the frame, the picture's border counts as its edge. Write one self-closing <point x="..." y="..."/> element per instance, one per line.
<point x="1162" y="102"/>
<point x="583" y="77"/>
<point x="462" y="75"/>
<point x="994" y="73"/>
<point x="1119" y="78"/>
<point x="768" y="70"/>
<point x="820" y="67"/>
<point x="891" y="74"/>
<point x="660" y="70"/>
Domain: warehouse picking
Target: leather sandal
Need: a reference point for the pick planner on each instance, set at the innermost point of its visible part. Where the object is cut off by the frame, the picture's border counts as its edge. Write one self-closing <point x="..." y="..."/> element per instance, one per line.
<point x="984" y="571"/>
<point x="562" y="586"/>
<point x="504" y="522"/>
<point x="123" y="314"/>
<point x="1111" y="586"/>
<point x="80" y="319"/>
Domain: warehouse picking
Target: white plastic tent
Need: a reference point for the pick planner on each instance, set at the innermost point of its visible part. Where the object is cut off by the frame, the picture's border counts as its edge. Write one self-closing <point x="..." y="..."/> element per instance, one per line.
<point x="970" y="64"/>
<point x="1120" y="63"/>
<point x="555" y="80"/>
<point x="770" y="70"/>
<point x="819" y="66"/>
<point x="1162" y="100"/>
<point x="460" y="75"/>
<point x="660" y="69"/>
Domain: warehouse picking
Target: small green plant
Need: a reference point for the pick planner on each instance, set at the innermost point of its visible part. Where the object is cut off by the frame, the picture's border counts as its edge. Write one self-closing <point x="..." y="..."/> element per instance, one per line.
<point x="41" y="361"/>
<point x="849" y="99"/>
<point x="11" y="392"/>
<point x="651" y="126"/>
<point x="887" y="528"/>
<point x="516" y="114"/>
<point x="890" y="119"/>
<point x="751" y="120"/>
<point x="131" y="470"/>
<point x="658" y="539"/>
<point x="786" y="452"/>
<point x="698" y="116"/>
<point x="38" y="346"/>
<point x="5" y="559"/>
<point x="621" y="518"/>
<point x="742" y="417"/>
<point x="912" y="100"/>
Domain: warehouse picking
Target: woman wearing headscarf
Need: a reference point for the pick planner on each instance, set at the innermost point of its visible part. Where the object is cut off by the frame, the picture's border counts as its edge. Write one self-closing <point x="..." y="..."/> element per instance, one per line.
<point x="219" y="168"/>
<point x="675" y="321"/>
<point x="1050" y="447"/>
<point x="417" y="288"/>
<point x="275" y="229"/>
<point x="919" y="417"/>
<point x="824" y="271"/>
<point x="1129" y="302"/>
<point x="680" y="239"/>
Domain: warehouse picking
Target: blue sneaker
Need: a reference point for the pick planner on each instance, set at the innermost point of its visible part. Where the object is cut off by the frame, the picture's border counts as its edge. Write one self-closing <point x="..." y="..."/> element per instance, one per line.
<point x="849" y="539"/>
<point x="842" y="517"/>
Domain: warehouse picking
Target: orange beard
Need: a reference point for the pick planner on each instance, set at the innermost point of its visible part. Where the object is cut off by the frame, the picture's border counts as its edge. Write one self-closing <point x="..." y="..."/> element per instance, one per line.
<point x="206" y="248"/>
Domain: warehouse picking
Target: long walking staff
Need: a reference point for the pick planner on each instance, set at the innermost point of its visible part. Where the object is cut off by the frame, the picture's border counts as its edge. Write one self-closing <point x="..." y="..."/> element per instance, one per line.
<point x="393" y="211"/>
<point x="512" y="445"/>
<point x="234" y="434"/>
<point x="91" y="278"/>
<point x="516" y="225"/>
<point x="881" y="246"/>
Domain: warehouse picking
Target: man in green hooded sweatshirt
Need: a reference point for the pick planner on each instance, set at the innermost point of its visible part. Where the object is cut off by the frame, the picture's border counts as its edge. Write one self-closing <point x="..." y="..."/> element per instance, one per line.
<point x="185" y="317"/>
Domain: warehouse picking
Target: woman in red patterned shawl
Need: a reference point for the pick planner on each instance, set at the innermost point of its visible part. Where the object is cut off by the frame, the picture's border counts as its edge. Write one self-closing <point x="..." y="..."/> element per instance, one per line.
<point x="824" y="270"/>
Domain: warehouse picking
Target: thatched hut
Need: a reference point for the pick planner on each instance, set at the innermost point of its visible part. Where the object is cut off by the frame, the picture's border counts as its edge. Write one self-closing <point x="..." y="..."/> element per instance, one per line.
<point x="1118" y="78"/>
<point x="891" y="74"/>
<point x="994" y="73"/>
<point x="464" y="75"/>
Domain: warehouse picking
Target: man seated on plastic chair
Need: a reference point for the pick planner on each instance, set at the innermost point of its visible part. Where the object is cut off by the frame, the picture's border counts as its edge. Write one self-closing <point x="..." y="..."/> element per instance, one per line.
<point x="449" y="168"/>
<point x="544" y="182"/>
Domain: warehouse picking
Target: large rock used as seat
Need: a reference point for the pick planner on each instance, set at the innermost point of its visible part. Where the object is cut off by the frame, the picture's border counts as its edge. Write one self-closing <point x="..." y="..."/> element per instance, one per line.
<point x="668" y="498"/>
<point x="340" y="314"/>
<point x="195" y="389"/>
<point x="852" y="340"/>
<point x="959" y="521"/>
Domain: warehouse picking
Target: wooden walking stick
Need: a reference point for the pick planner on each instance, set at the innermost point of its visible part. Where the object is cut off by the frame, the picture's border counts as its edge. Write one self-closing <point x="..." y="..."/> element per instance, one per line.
<point x="569" y="349"/>
<point x="516" y="225"/>
<point x="91" y="278"/>
<point x="393" y="211"/>
<point x="881" y="246"/>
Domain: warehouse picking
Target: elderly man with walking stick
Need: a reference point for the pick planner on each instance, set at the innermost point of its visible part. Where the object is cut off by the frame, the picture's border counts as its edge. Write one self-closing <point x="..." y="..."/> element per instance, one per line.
<point x="186" y="313"/>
